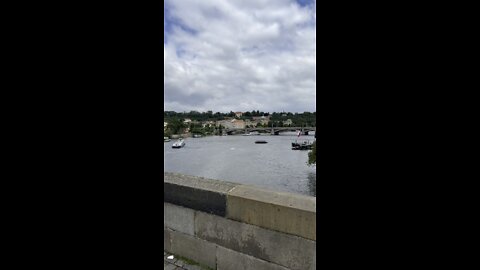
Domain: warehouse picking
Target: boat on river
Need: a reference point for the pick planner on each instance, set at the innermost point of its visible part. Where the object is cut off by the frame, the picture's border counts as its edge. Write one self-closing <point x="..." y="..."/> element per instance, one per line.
<point x="166" y="139"/>
<point x="305" y="145"/>
<point x="178" y="144"/>
<point x="260" y="142"/>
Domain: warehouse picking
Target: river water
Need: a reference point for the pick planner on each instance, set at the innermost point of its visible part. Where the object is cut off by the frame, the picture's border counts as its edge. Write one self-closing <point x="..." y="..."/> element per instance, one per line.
<point x="238" y="159"/>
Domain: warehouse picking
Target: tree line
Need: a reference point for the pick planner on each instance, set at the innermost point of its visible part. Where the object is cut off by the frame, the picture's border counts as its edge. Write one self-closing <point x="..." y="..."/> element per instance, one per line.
<point x="276" y="118"/>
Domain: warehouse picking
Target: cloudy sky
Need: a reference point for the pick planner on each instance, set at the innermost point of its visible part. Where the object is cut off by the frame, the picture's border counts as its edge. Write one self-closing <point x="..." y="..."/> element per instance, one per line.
<point x="240" y="55"/>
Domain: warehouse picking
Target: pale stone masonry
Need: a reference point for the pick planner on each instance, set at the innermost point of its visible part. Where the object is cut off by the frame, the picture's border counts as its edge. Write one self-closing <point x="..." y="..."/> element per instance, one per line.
<point x="176" y="263"/>
<point x="229" y="226"/>
<point x="284" y="212"/>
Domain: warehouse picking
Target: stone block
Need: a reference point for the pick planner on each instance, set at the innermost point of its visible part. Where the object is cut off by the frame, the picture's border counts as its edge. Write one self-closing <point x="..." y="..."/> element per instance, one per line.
<point x="166" y="240"/>
<point x="194" y="249"/>
<point x="228" y="259"/>
<point x="287" y="250"/>
<point x="197" y="193"/>
<point x="280" y="211"/>
<point x="169" y="267"/>
<point x="178" y="218"/>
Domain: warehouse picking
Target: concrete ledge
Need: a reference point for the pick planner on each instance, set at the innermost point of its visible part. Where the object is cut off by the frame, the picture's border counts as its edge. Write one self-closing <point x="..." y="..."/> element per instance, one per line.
<point x="178" y="218"/>
<point x="193" y="248"/>
<point x="279" y="211"/>
<point x="197" y="193"/>
<point x="283" y="249"/>
<point x="228" y="259"/>
<point x="225" y="225"/>
<point x="167" y="240"/>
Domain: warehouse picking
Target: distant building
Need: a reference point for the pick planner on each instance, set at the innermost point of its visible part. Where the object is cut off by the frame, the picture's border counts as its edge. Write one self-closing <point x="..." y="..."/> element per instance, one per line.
<point x="287" y="122"/>
<point x="224" y="123"/>
<point x="187" y="121"/>
<point x="250" y="123"/>
<point x="235" y="123"/>
<point x="165" y="124"/>
<point x="238" y="123"/>
<point x="261" y="119"/>
<point x="208" y="124"/>
<point x="238" y="114"/>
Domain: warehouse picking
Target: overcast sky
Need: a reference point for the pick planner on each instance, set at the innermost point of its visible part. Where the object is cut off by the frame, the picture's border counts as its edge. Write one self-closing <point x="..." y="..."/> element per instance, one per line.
<point x="240" y="55"/>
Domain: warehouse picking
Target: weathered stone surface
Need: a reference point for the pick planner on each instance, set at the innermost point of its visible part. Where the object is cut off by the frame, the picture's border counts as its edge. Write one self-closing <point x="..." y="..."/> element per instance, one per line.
<point x="169" y="267"/>
<point x="193" y="248"/>
<point x="314" y="266"/>
<point x="178" y="218"/>
<point x="279" y="211"/>
<point x="228" y="259"/>
<point x="166" y="240"/>
<point x="197" y="193"/>
<point x="199" y="182"/>
<point x="193" y="267"/>
<point x="284" y="249"/>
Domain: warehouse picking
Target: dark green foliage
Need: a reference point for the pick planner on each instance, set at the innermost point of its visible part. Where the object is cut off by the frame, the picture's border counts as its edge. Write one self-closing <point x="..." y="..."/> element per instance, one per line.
<point x="298" y="119"/>
<point x="176" y="126"/>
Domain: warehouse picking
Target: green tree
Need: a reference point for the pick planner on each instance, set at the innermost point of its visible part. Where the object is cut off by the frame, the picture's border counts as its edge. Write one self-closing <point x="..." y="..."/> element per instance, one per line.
<point x="176" y="126"/>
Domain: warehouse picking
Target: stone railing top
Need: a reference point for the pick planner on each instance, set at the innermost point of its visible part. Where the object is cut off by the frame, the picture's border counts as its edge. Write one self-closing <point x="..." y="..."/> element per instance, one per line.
<point x="199" y="182"/>
<point x="285" y="199"/>
<point x="280" y="211"/>
<point x="223" y="188"/>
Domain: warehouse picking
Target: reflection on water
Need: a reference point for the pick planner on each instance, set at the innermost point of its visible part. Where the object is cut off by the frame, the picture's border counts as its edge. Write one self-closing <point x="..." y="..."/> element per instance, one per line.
<point x="238" y="159"/>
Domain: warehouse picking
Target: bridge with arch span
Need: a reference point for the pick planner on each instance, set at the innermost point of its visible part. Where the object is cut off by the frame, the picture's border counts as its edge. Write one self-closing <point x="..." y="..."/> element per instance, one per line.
<point x="271" y="130"/>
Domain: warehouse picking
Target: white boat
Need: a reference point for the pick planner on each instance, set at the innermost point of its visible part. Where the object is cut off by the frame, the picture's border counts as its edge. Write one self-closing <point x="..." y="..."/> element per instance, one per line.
<point x="178" y="144"/>
<point x="254" y="133"/>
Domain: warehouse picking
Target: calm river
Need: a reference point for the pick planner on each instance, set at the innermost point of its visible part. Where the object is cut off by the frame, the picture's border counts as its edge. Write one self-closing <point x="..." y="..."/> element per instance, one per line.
<point x="238" y="159"/>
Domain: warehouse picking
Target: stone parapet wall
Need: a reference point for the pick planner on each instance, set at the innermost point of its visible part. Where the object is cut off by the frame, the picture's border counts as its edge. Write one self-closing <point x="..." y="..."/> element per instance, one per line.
<point x="226" y="225"/>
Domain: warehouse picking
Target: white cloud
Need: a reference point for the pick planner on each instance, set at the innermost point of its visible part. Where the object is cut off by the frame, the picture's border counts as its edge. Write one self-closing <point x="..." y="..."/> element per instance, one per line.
<point x="240" y="55"/>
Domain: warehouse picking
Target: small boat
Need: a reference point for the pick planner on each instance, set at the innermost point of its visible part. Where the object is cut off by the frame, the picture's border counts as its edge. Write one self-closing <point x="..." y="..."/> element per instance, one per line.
<point x="166" y="139"/>
<point x="258" y="142"/>
<point x="179" y="144"/>
<point x="305" y="145"/>
<point x="197" y="135"/>
<point x="255" y="133"/>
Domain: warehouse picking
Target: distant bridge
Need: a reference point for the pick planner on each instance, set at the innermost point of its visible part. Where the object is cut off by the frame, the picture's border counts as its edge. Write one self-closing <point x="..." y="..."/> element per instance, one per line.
<point x="272" y="130"/>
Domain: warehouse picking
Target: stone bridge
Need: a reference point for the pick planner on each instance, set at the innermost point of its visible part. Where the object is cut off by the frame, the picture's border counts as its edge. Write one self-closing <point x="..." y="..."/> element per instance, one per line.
<point x="271" y="130"/>
<point x="230" y="226"/>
